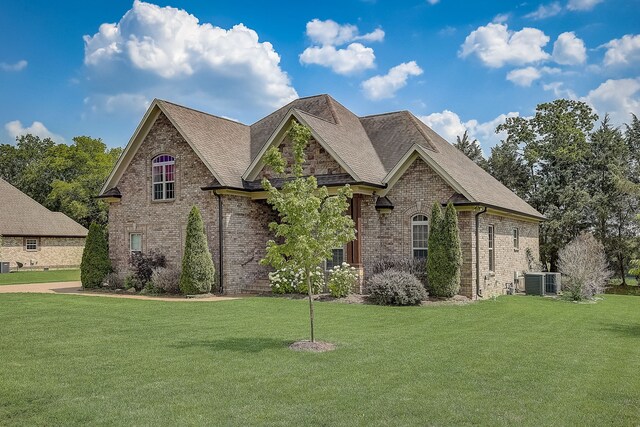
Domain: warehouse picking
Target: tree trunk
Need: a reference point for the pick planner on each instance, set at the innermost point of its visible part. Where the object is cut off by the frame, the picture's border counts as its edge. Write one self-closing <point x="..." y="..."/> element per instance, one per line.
<point x="623" y="274"/>
<point x="310" y="304"/>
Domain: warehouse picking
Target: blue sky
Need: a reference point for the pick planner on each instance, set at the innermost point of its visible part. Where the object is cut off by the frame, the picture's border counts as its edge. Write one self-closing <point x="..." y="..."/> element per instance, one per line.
<point x="73" y="68"/>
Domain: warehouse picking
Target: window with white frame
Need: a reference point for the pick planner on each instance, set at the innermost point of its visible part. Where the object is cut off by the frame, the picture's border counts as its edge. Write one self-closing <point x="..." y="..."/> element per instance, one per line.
<point x="492" y="251"/>
<point x="135" y="242"/>
<point x="337" y="258"/>
<point x="516" y="239"/>
<point x="163" y="174"/>
<point x="31" y="244"/>
<point x="419" y="235"/>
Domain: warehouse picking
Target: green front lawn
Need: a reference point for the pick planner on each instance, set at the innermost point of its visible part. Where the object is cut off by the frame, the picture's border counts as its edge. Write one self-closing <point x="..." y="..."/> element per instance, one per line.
<point x="518" y="360"/>
<point x="21" y="277"/>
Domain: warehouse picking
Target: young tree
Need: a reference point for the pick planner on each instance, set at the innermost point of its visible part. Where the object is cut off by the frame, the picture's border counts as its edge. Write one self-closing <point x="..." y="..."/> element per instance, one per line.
<point x="312" y="222"/>
<point x="198" y="271"/>
<point x="444" y="257"/>
<point x="471" y="149"/>
<point x="95" y="264"/>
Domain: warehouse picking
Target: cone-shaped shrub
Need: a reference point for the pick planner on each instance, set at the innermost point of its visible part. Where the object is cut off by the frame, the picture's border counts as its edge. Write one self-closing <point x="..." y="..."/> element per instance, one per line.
<point x="450" y="285"/>
<point x="436" y="256"/>
<point x="198" y="271"/>
<point x="95" y="264"/>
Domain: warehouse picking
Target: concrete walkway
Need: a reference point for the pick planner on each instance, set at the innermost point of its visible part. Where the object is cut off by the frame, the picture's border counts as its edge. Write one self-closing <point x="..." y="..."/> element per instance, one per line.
<point x="75" y="288"/>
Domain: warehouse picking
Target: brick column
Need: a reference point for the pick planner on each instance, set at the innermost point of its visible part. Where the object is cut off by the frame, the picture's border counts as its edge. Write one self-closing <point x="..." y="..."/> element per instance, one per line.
<point x="354" y="249"/>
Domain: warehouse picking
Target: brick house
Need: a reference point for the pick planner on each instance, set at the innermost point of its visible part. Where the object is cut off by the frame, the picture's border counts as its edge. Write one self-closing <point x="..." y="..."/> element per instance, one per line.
<point x="396" y="165"/>
<point x="34" y="236"/>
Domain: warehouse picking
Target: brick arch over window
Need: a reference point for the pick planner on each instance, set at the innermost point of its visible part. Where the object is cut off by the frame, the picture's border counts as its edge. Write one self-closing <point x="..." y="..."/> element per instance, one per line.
<point x="407" y="226"/>
<point x="163" y="177"/>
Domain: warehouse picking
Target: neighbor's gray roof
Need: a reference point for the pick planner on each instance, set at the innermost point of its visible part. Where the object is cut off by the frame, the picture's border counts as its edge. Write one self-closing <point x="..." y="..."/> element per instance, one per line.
<point x="20" y="215"/>
<point x="369" y="146"/>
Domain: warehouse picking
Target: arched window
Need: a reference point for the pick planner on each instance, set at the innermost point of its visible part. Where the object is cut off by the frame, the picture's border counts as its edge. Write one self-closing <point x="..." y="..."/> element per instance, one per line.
<point x="163" y="172"/>
<point x="419" y="235"/>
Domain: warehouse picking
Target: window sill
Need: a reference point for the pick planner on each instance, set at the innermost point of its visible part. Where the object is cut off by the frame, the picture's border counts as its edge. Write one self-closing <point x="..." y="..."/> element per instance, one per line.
<point x="31" y="250"/>
<point x="163" y="201"/>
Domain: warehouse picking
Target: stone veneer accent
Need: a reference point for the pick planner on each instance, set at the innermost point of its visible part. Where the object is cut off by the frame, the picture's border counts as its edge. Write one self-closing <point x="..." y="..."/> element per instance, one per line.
<point x="318" y="160"/>
<point x="53" y="252"/>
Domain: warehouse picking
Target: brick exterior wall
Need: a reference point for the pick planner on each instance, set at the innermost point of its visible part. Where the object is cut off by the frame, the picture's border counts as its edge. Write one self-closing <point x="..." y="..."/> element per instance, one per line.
<point x="53" y="252"/>
<point x="161" y="223"/>
<point x="318" y="161"/>
<point x="245" y="221"/>
<point x="389" y="235"/>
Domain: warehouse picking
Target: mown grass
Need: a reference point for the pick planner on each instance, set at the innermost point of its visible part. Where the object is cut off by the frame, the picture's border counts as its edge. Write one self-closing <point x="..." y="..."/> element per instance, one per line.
<point x="23" y="277"/>
<point x="71" y="360"/>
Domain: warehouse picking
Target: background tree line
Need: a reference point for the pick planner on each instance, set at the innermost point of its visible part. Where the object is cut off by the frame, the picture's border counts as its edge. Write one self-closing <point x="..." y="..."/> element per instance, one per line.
<point x="64" y="178"/>
<point x="580" y="173"/>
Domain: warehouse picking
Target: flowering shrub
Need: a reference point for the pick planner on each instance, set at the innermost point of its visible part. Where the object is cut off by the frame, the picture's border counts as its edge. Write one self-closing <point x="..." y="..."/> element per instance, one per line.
<point x="292" y="281"/>
<point x="342" y="280"/>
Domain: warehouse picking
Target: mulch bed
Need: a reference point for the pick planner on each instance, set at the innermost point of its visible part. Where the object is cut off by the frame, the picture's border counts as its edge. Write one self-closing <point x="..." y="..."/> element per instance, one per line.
<point x="314" y="347"/>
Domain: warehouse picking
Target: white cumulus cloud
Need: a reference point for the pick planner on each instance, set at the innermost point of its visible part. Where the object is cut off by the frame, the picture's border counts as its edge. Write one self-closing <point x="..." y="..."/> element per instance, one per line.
<point x="619" y="98"/>
<point x="386" y="86"/>
<point x="18" y="66"/>
<point x="171" y="45"/>
<point x="582" y="5"/>
<point x="331" y="33"/>
<point x="623" y="51"/>
<point x="495" y="45"/>
<point x="545" y="11"/>
<point x="15" y="128"/>
<point x="353" y="58"/>
<point x="449" y="125"/>
<point x="569" y="49"/>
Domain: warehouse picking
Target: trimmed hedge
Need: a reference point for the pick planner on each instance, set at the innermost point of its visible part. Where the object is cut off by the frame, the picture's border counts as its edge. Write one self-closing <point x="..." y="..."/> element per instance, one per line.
<point x="198" y="271"/>
<point x="95" y="264"/>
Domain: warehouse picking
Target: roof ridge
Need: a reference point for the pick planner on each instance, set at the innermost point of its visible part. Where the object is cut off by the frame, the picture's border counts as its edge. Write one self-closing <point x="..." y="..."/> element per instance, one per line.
<point x="314" y="116"/>
<point x="286" y="105"/>
<point x="202" y="112"/>
<point x="26" y="195"/>
<point x="385" y="114"/>
<point x="332" y="108"/>
<point x="426" y="137"/>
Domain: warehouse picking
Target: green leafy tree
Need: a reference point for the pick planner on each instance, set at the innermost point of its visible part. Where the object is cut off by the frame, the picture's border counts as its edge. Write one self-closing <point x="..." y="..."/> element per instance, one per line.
<point x="444" y="257"/>
<point x="553" y="146"/>
<point x="312" y="222"/>
<point x="62" y="177"/>
<point x="198" y="271"/>
<point x="614" y="198"/>
<point x="95" y="264"/>
<point x="471" y="149"/>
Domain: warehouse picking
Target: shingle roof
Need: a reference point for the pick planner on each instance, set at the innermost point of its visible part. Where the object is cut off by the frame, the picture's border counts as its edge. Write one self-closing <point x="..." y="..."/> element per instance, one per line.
<point x="368" y="147"/>
<point x="20" y="215"/>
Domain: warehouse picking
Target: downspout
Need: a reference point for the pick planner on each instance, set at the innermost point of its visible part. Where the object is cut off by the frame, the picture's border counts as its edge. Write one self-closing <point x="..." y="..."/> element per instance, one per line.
<point x="220" y="242"/>
<point x="478" y="291"/>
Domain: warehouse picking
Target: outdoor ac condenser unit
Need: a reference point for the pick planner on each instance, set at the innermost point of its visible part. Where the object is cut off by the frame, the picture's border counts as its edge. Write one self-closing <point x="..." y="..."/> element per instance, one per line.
<point x="552" y="283"/>
<point x="534" y="283"/>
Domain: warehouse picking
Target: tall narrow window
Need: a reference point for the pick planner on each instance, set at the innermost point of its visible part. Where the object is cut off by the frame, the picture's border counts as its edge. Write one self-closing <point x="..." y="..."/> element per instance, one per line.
<point x="135" y="242"/>
<point x="336" y="259"/>
<point x="516" y="239"/>
<point x="492" y="252"/>
<point x="419" y="235"/>
<point x="163" y="174"/>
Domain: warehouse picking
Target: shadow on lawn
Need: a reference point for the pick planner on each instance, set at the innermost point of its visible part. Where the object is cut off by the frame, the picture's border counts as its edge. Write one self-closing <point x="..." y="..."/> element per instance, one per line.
<point x="245" y="345"/>
<point x="628" y="330"/>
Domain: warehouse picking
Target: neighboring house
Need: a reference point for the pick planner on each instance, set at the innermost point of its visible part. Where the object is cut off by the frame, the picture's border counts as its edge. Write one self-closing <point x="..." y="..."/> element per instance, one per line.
<point x="396" y="165"/>
<point x="34" y="236"/>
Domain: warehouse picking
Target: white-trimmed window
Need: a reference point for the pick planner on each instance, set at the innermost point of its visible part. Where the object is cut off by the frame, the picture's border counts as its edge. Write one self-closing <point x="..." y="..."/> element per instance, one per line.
<point x="516" y="239"/>
<point x="336" y="259"/>
<point x="492" y="245"/>
<point x="135" y="242"/>
<point x="419" y="235"/>
<point x="163" y="174"/>
<point x="31" y="245"/>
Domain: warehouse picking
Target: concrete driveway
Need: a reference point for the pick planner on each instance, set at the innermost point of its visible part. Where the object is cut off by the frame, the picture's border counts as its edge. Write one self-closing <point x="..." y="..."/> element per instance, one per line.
<point x="75" y="288"/>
